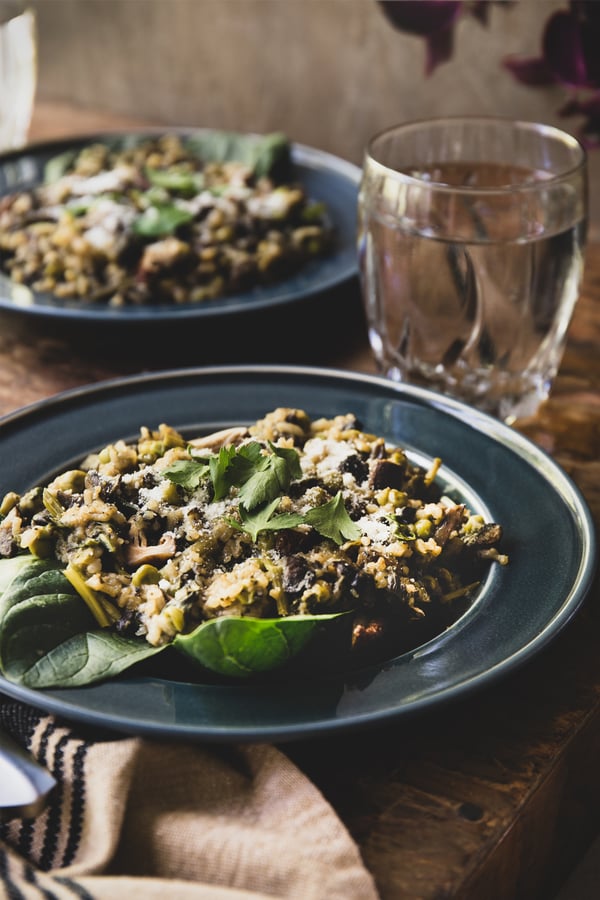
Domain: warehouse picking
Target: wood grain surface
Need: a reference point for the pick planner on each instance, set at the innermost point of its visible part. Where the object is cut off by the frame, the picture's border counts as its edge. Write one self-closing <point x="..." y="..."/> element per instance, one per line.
<point x="495" y="797"/>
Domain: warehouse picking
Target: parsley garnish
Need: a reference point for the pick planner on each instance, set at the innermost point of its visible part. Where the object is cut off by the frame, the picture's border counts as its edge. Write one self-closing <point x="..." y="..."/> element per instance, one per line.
<point x="263" y="519"/>
<point x="332" y="521"/>
<point x="272" y="476"/>
<point x="187" y="472"/>
<point x="261" y="478"/>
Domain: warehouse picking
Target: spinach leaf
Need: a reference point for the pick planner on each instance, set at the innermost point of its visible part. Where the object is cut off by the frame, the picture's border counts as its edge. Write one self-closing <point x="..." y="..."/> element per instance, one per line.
<point x="13" y="567"/>
<point x="176" y="180"/>
<point x="49" y="638"/>
<point x="161" y="220"/>
<point x="33" y="628"/>
<point x="47" y="633"/>
<point x="268" y="154"/>
<point x="241" y="646"/>
<point x="27" y="576"/>
<point x="87" y="658"/>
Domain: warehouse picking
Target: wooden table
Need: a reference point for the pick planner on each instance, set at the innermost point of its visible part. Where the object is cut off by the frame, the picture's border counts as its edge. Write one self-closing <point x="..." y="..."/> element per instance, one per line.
<point x="496" y="797"/>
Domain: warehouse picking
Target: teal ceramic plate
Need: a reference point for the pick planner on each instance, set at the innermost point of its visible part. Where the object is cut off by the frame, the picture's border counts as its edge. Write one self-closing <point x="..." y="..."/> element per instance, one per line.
<point x="325" y="177"/>
<point x="519" y="609"/>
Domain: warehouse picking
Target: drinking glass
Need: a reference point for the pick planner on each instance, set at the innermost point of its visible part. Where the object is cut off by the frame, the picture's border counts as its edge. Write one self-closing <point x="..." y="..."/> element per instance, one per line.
<point x="471" y="242"/>
<point x="18" y="73"/>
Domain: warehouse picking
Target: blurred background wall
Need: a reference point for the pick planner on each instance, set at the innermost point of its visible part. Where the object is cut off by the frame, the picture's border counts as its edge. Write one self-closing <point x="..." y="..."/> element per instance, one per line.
<point x="328" y="73"/>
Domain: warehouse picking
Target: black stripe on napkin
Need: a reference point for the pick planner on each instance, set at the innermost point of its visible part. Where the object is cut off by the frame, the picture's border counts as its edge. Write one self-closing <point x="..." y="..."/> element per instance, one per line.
<point x="78" y="804"/>
<point x="54" y="822"/>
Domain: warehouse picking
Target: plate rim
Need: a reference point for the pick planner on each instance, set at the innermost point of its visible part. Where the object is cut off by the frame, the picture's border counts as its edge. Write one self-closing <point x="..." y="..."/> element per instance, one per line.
<point x="509" y="440"/>
<point x="240" y="303"/>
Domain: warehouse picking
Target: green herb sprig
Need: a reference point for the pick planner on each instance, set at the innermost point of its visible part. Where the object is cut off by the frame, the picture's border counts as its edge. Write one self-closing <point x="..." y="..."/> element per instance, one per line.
<point x="261" y="479"/>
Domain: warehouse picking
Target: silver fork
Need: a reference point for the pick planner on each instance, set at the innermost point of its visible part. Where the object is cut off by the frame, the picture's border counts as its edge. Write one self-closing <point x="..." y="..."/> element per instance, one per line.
<point x="24" y="784"/>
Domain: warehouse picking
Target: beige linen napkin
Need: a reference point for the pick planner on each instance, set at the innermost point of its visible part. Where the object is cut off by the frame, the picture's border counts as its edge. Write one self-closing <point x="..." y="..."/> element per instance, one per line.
<point x="139" y="818"/>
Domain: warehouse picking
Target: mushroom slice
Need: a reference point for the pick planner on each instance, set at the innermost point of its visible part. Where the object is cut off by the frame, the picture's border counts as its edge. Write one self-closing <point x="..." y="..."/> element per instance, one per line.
<point x="221" y="438"/>
<point x="143" y="553"/>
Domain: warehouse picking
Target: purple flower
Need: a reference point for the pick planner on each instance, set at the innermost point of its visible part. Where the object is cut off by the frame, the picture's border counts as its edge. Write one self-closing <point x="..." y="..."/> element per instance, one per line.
<point x="435" y="21"/>
<point x="589" y="133"/>
<point x="432" y="19"/>
<point x="569" y="57"/>
<point x="567" y="53"/>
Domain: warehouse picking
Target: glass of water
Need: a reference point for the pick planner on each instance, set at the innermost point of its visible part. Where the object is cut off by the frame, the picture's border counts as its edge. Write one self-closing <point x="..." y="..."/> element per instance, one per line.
<point x="471" y="244"/>
<point x="18" y="73"/>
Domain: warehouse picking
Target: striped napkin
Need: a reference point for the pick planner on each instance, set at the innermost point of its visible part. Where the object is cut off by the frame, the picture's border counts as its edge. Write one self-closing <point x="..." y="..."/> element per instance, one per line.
<point x="140" y="818"/>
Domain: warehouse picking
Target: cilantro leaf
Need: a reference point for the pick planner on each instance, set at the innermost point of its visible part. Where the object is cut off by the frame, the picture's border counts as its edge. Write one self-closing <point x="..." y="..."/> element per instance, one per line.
<point x="273" y="474"/>
<point x="332" y="521"/>
<point x="264" y="520"/>
<point x="261" y="477"/>
<point x="219" y="466"/>
<point x="187" y="472"/>
<point x="232" y="468"/>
